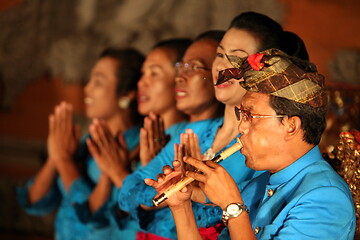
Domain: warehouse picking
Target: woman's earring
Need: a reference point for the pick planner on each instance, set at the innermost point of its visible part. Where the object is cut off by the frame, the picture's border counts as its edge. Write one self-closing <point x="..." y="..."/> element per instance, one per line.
<point x="124" y="102"/>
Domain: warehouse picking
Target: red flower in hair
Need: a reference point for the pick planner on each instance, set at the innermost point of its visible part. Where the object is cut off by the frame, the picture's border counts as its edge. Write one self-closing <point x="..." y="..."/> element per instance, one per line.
<point x="255" y="61"/>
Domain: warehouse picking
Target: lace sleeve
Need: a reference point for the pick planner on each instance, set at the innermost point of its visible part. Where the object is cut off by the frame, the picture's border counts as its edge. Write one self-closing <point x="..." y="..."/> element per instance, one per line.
<point x="45" y="205"/>
<point x="133" y="193"/>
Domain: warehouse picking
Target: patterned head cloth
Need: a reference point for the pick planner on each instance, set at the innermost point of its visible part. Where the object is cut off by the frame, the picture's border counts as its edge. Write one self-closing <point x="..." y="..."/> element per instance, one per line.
<point x="272" y="72"/>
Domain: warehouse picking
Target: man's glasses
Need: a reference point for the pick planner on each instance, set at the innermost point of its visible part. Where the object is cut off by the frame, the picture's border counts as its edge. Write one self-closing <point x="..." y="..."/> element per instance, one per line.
<point x="244" y="115"/>
<point x="188" y="68"/>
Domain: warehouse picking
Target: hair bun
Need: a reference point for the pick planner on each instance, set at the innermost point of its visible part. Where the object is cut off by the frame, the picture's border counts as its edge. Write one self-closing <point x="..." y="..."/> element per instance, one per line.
<point x="293" y="45"/>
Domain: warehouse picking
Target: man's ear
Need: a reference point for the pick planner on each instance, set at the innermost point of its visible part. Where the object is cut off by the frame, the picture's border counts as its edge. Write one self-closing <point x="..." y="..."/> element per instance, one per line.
<point x="293" y="126"/>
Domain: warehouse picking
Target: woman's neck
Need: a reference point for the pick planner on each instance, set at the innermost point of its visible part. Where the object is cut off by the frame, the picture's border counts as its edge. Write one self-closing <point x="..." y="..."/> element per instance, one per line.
<point x="172" y="116"/>
<point x="228" y="131"/>
<point x="212" y="110"/>
<point x="120" y="121"/>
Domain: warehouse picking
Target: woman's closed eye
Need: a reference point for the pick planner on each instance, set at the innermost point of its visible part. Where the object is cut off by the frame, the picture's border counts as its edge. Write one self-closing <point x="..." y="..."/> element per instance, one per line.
<point x="97" y="82"/>
<point x="220" y="55"/>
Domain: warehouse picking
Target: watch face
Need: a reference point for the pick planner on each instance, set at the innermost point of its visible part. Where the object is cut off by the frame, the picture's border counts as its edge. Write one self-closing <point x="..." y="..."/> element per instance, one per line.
<point x="233" y="209"/>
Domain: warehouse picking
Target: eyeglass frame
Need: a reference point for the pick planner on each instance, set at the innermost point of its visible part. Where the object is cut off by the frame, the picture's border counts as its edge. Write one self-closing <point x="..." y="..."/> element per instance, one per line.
<point x="188" y="68"/>
<point x="240" y="113"/>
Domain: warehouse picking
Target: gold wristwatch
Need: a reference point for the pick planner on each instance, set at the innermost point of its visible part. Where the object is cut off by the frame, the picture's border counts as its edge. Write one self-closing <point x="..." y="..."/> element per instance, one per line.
<point x="233" y="210"/>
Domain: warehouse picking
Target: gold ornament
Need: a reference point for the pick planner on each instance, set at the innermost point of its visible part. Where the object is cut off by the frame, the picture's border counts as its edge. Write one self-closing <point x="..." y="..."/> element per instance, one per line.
<point x="345" y="158"/>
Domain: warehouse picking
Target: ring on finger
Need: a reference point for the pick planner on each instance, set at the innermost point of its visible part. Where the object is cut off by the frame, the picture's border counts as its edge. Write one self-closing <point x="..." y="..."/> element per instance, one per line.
<point x="158" y="140"/>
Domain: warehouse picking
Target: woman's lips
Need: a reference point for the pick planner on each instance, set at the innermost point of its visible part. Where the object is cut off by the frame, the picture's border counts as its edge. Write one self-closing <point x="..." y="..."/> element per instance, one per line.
<point x="141" y="98"/>
<point x="225" y="84"/>
<point x="180" y="93"/>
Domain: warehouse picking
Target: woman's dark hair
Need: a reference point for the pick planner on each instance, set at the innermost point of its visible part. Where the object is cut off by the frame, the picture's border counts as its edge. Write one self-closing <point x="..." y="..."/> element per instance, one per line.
<point x="128" y="73"/>
<point x="270" y="34"/>
<point x="177" y="46"/>
<point x="129" y="67"/>
<point x="313" y="120"/>
<point x="294" y="46"/>
<point x="215" y="35"/>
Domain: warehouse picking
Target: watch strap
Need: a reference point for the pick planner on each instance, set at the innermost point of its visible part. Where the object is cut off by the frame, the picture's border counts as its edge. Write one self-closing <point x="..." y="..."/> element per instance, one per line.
<point x="226" y="216"/>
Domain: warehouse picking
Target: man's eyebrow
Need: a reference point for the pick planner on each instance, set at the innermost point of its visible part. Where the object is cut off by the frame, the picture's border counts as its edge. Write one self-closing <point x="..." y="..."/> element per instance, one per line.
<point x="246" y="108"/>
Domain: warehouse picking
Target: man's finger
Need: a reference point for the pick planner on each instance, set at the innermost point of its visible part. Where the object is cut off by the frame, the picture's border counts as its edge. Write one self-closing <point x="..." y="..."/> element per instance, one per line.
<point x="197" y="164"/>
<point x="197" y="176"/>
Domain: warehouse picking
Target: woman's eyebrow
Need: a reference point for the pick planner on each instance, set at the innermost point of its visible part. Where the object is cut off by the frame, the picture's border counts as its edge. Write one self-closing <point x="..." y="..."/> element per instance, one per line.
<point x="196" y="61"/>
<point x="99" y="75"/>
<point x="155" y="66"/>
<point x="234" y="50"/>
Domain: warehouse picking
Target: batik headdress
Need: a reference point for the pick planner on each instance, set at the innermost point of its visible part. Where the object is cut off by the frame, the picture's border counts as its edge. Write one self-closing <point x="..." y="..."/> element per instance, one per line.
<point x="272" y="72"/>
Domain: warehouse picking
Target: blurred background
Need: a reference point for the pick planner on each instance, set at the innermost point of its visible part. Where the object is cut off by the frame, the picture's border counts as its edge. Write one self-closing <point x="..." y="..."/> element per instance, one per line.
<point x="48" y="47"/>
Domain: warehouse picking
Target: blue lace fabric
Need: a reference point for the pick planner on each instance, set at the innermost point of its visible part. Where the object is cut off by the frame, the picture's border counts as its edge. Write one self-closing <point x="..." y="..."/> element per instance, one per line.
<point x="74" y="220"/>
<point x="135" y="192"/>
